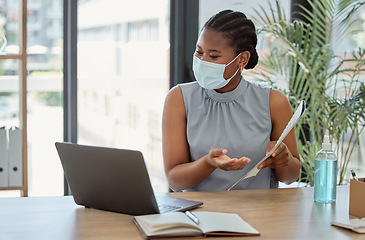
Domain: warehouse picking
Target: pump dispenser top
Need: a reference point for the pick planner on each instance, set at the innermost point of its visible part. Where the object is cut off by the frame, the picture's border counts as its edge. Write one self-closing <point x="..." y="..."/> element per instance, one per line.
<point x="326" y="145"/>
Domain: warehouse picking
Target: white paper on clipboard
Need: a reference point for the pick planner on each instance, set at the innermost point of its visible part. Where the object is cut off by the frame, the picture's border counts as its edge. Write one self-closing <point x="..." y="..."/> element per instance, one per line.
<point x="298" y="113"/>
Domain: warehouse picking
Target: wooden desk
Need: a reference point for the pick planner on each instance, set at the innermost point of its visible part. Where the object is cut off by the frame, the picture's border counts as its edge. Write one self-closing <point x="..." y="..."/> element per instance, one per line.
<point x="275" y="213"/>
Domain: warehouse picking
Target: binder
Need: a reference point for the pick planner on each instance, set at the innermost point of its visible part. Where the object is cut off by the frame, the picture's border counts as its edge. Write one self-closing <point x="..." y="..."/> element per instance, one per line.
<point x="15" y="157"/>
<point x="4" y="161"/>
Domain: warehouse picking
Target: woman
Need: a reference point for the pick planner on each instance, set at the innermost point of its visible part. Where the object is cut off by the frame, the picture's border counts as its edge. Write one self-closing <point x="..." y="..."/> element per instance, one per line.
<point x="217" y="128"/>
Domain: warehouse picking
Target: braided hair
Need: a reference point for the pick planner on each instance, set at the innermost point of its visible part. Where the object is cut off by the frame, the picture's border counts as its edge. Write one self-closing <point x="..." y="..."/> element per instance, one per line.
<point x="239" y="30"/>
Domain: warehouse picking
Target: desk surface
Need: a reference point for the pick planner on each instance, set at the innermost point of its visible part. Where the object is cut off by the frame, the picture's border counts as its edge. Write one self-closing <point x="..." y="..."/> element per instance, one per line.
<point x="276" y="213"/>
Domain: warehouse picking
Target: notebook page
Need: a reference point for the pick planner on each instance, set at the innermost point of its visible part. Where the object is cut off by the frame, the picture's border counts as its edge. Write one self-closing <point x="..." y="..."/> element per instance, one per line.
<point x="224" y="222"/>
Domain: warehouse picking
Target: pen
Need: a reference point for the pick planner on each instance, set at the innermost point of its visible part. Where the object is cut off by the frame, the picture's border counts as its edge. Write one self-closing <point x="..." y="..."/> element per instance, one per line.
<point x="192" y="217"/>
<point x="354" y="174"/>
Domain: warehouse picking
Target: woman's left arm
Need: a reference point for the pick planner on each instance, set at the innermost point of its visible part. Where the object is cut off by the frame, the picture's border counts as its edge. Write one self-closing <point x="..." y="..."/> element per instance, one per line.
<point x="285" y="159"/>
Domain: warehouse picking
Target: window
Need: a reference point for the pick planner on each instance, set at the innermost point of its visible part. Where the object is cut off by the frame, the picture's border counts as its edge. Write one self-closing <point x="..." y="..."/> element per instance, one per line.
<point x="43" y="92"/>
<point x="123" y="53"/>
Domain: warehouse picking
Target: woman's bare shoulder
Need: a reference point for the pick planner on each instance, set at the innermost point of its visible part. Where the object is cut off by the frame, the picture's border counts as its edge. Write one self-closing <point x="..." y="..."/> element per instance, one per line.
<point x="174" y="96"/>
<point x="278" y="101"/>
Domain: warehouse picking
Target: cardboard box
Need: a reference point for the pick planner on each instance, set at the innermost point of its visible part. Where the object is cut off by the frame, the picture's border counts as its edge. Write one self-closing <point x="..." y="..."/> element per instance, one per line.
<point x="357" y="198"/>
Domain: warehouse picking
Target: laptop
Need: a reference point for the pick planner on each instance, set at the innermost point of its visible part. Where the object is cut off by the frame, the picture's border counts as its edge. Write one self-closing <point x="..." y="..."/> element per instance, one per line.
<point x="114" y="180"/>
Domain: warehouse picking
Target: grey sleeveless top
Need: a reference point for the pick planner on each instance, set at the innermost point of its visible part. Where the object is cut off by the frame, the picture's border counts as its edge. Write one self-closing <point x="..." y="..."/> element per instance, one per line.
<point x="238" y="121"/>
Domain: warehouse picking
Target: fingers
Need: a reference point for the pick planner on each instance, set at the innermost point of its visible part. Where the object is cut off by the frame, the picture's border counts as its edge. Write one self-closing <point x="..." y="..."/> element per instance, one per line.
<point x="216" y="152"/>
<point x="282" y="146"/>
<point x="234" y="164"/>
<point x="278" y="159"/>
<point x="273" y="163"/>
<point x="219" y="159"/>
<point x="270" y="146"/>
<point x="279" y="150"/>
<point x="244" y="161"/>
<point x="214" y="155"/>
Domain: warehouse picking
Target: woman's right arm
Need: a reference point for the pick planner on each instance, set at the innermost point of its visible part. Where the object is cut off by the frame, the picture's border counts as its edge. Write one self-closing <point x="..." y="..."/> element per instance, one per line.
<point x="181" y="173"/>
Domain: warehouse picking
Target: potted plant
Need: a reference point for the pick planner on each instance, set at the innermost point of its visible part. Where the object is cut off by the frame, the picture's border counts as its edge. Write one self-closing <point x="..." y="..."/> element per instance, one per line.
<point x="301" y="54"/>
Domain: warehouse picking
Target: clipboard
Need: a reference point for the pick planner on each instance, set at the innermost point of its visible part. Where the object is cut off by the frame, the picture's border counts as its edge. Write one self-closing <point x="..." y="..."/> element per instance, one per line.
<point x="253" y="172"/>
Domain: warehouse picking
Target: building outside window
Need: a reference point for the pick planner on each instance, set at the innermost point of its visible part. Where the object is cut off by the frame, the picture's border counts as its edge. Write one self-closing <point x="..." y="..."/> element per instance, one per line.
<point x="123" y="77"/>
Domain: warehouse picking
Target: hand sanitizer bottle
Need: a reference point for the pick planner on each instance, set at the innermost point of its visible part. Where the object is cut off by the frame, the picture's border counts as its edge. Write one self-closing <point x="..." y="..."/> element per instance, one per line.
<point x="325" y="173"/>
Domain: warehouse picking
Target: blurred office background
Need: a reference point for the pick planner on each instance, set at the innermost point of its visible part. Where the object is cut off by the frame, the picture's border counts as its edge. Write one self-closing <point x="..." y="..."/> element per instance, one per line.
<point x="123" y="76"/>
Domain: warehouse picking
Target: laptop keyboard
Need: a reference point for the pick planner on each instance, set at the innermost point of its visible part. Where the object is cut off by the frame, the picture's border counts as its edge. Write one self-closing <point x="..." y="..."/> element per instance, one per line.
<point x="167" y="208"/>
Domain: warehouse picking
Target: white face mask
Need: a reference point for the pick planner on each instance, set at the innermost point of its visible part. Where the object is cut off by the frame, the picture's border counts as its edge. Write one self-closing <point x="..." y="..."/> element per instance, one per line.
<point x="210" y="75"/>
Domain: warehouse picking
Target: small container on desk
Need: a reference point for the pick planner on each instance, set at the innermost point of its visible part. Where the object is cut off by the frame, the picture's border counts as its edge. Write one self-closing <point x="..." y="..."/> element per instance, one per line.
<point x="357" y="198"/>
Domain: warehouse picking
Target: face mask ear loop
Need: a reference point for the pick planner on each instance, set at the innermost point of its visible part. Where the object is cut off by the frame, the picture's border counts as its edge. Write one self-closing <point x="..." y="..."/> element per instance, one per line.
<point x="233" y="60"/>
<point x="229" y="79"/>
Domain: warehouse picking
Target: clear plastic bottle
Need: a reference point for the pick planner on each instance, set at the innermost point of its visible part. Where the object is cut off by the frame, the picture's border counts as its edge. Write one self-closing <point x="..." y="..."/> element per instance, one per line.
<point x="325" y="173"/>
